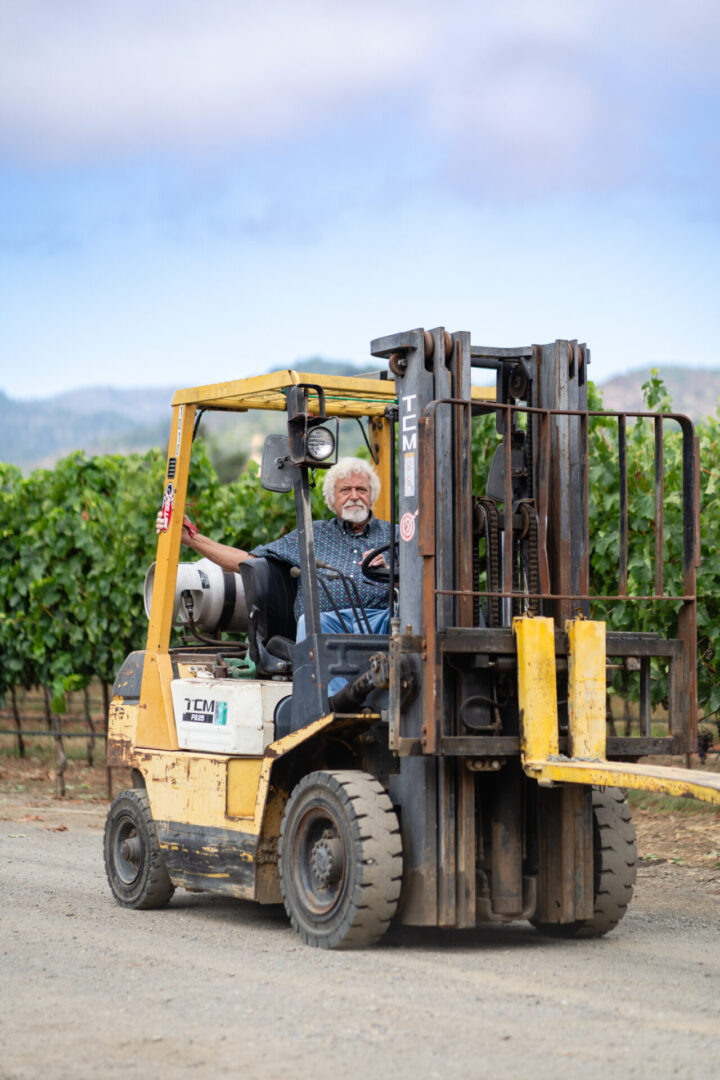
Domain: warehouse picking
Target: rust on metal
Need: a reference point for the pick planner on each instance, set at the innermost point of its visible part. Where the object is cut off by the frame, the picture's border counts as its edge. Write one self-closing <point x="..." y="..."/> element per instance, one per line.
<point x="426" y="549"/>
<point x="659" y="505"/>
<point x="565" y="878"/>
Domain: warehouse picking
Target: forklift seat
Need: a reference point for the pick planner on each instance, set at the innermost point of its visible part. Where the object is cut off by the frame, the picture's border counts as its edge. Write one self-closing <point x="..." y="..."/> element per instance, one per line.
<point x="269" y="596"/>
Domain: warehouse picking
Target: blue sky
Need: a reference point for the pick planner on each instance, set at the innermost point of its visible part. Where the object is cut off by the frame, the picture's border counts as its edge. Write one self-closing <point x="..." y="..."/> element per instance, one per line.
<point x="196" y="191"/>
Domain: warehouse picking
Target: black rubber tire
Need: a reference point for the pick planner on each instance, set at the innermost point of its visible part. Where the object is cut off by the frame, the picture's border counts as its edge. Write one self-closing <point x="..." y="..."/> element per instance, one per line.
<point x="615" y="864"/>
<point x="139" y="880"/>
<point x="340" y="859"/>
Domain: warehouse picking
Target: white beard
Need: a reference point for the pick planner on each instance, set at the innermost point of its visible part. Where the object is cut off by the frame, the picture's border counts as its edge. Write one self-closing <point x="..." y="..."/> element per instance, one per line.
<point x="356" y="513"/>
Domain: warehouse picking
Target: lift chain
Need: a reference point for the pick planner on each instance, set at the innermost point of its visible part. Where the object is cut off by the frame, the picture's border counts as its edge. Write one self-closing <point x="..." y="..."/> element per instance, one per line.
<point x="526" y="565"/>
<point x="490" y="529"/>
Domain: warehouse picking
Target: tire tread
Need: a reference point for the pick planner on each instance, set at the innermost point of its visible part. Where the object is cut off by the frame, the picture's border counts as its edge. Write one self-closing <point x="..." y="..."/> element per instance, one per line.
<point x="376" y="854"/>
<point x="155" y="888"/>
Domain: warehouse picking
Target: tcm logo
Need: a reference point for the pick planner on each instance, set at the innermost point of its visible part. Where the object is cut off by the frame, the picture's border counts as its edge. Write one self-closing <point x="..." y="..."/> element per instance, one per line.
<point x="204" y="711"/>
<point x="199" y="705"/>
<point x="408" y="424"/>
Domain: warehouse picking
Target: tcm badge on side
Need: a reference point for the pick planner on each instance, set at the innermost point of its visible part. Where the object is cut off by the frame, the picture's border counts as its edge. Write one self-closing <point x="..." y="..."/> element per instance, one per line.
<point x="226" y="716"/>
<point x="201" y="710"/>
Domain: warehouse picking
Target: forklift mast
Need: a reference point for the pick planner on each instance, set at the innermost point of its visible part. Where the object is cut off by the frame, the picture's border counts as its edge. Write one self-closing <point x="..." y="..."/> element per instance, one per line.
<point x="454" y="709"/>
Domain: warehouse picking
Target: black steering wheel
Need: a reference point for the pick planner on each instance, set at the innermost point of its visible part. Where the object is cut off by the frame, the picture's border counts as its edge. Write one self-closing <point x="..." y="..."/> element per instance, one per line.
<point x="379" y="574"/>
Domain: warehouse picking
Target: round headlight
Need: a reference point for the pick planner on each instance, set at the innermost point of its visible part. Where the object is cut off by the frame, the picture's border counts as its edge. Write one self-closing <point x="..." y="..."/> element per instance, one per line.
<point x="320" y="443"/>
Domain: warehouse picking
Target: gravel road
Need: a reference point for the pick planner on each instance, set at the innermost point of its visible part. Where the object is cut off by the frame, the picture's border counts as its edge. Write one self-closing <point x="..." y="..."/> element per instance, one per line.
<point x="212" y="988"/>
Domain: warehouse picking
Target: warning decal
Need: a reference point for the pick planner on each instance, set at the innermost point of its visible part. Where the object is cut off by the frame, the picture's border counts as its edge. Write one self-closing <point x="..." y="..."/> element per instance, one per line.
<point x="409" y="476"/>
<point x="407" y="526"/>
<point x="167" y="506"/>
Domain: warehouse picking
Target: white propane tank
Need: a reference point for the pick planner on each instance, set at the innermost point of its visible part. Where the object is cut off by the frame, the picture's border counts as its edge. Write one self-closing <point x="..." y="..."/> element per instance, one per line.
<point x="218" y="597"/>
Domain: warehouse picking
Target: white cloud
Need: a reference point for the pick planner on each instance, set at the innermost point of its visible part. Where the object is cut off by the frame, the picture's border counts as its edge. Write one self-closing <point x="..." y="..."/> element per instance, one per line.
<point x="575" y="93"/>
<point x="579" y="91"/>
<point x="79" y="77"/>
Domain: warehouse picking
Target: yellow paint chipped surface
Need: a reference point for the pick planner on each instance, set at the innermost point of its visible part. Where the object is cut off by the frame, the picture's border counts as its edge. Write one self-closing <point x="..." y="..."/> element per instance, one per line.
<point x="344" y="395"/>
<point x="156" y="719"/>
<point x="121" y="720"/>
<point x="243" y="778"/>
<point x="537" y="691"/>
<point x="190" y="789"/>
<point x="587" y="688"/>
<point x="667" y="781"/>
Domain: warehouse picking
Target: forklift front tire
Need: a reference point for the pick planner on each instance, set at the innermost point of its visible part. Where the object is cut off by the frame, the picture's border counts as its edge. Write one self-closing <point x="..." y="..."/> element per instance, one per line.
<point x="615" y="868"/>
<point x="340" y="859"/>
<point x="133" y="861"/>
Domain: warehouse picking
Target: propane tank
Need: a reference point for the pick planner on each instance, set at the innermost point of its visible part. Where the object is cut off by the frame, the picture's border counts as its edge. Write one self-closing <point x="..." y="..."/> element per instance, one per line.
<point x="216" y="598"/>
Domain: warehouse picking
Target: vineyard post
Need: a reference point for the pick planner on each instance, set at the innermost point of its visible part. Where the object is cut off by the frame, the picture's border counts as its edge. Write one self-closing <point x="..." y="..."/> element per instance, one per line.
<point x="90" y="725"/>
<point x="55" y="725"/>
<point x="18" y="722"/>
<point x="106" y="715"/>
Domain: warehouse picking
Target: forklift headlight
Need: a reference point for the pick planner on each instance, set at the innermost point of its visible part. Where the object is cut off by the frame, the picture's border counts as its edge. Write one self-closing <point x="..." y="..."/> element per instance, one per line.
<point x="320" y="443"/>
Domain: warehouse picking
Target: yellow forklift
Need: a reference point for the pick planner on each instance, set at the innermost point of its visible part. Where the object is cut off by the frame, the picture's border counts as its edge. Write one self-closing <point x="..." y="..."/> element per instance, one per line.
<point x="465" y="771"/>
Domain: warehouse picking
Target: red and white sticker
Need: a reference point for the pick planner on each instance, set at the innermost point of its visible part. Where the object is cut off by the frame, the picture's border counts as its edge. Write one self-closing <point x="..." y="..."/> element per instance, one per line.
<point x="407" y="526"/>
<point x="167" y="506"/>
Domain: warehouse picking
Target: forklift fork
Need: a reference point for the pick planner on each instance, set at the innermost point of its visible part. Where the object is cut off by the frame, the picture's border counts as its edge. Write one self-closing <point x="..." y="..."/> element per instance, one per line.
<point x="586" y="762"/>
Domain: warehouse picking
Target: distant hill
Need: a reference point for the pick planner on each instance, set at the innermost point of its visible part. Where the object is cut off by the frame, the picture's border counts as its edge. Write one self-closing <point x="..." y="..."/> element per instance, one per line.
<point x="102" y="420"/>
<point x="105" y="420"/>
<point x="331" y="367"/>
<point x="139" y="406"/>
<point x="694" y="391"/>
<point x="38" y="433"/>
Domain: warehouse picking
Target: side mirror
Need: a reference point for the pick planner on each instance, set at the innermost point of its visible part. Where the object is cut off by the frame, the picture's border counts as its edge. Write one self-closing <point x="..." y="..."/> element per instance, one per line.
<point x="276" y="471"/>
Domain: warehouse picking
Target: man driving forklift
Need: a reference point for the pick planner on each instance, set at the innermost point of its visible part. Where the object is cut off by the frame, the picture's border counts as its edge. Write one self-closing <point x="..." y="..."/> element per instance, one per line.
<point x="350" y="488"/>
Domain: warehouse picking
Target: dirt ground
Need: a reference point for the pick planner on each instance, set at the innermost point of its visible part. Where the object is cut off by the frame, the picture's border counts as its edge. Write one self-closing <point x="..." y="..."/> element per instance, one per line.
<point x="211" y="987"/>
<point x="681" y="831"/>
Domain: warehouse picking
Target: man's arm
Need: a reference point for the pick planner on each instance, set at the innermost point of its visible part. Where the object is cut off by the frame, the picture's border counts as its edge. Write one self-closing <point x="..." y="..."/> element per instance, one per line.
<point x="229" y="558"/>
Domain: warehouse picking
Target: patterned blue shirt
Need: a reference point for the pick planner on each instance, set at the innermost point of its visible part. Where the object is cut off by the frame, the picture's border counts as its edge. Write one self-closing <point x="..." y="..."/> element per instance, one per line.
<point x="338" y="546"/>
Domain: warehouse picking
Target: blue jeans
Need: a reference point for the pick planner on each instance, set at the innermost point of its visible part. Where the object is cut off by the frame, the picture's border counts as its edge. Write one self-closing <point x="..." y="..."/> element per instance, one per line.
<point x="379" y="620"/>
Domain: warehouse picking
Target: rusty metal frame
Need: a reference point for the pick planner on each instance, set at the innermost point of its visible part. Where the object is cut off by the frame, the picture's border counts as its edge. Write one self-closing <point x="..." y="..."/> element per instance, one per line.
<point x="497" y="644"/>
<point x="427" y="548"/>
<point x="681" y="652"/>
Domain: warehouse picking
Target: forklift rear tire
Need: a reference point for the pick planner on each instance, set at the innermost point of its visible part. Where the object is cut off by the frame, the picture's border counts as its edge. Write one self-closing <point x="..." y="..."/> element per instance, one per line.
<point x="134" y="864"/>
<point x="615" y="865"/>
<point x="340" y="859"/>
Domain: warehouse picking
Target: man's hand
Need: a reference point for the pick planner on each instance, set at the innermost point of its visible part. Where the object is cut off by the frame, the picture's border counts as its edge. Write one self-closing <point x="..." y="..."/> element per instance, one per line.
<point x="379" y="560"/>
<point x="188" y="530"/>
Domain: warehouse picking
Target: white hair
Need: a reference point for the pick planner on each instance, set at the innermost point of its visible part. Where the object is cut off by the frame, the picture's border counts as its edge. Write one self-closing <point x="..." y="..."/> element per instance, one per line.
<point x="349" y="466"/>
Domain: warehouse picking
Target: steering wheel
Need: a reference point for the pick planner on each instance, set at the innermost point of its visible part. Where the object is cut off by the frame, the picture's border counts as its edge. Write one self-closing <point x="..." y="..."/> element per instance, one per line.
<point x="379" y="574"/>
